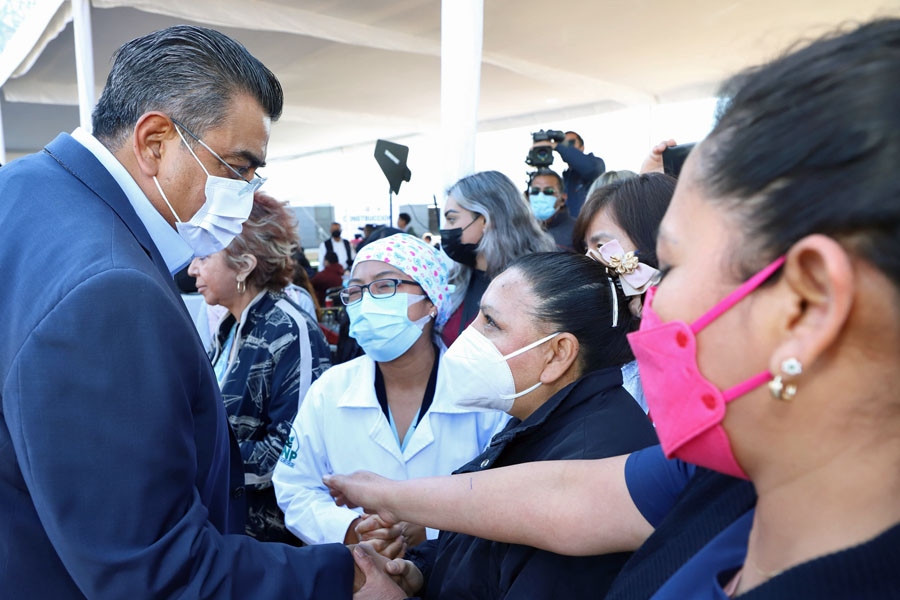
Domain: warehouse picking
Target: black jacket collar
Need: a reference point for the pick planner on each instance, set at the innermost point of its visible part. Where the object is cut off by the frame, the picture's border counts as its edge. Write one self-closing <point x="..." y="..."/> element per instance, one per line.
<point x="585" y="388"/>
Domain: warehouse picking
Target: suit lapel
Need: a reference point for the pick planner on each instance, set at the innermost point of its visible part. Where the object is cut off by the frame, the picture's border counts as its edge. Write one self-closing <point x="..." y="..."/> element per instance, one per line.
<point x="84" y="166"/>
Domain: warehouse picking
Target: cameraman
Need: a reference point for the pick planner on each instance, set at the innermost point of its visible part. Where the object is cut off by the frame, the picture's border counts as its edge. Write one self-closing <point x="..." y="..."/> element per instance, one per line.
<point x="548" y="204"/>
<point x="583" y="168"/>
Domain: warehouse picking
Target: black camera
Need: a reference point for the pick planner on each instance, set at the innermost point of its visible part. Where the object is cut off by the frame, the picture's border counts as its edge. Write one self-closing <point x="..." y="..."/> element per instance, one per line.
<point x="542" y="156"/>
<point x="551" y="135"/>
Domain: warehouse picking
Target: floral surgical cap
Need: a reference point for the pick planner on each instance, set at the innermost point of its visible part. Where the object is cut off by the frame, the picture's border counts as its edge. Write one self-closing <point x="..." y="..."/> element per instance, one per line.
<point x="418" y="259"/>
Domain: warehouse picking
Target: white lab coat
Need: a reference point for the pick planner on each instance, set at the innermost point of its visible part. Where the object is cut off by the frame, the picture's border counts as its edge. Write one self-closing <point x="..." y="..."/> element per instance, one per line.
<point x="340" y="428"/>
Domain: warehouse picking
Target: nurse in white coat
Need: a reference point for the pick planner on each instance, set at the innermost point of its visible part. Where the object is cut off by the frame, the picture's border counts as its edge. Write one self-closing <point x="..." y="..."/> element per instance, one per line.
<point x="386" y="411"/>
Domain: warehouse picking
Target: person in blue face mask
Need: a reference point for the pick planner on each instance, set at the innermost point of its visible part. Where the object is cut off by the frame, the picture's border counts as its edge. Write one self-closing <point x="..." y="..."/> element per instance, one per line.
<point x="546" y="197"/>
<point x="549" y="353"/>
<point x="388" y="411"/>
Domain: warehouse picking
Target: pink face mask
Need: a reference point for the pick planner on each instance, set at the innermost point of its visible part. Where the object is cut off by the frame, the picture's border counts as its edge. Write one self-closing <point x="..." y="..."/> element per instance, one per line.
<point x="686" y="408"/>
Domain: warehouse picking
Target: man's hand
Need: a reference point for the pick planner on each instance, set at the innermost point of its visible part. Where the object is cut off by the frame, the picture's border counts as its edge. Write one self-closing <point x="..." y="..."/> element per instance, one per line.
<point x="374" y="527"/>
<point x="654" y="161"/>
<point x="411" y="579"/>
<point x="362" y="488"/>
<point x="390" y="549"/>
<point x="377" y="584"/>
<point x="359" y="577"/>
<point x="550" y="143"/>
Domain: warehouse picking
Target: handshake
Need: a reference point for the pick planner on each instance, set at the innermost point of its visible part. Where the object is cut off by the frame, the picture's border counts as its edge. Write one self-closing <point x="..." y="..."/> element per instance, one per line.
<point x="381" y="573"/>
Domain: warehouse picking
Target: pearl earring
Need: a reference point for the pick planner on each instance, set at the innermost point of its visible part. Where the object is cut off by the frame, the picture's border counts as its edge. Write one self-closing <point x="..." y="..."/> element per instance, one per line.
<point x="791" y="366"/>
<point x="781" y="390"/>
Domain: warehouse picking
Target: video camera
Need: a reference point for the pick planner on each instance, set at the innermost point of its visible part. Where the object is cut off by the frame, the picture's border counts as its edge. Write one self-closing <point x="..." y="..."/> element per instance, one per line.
<point x="542" y="156"/>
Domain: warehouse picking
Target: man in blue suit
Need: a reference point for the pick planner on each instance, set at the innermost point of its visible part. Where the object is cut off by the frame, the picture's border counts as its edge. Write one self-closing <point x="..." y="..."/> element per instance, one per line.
<point x="119" y="476"/>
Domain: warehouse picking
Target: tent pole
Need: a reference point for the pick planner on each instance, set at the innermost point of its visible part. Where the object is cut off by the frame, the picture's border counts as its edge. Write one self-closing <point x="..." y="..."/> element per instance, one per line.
<point x="84" y="60"/>
<point x="2" y="139"/>
<point x="462" y="25"/>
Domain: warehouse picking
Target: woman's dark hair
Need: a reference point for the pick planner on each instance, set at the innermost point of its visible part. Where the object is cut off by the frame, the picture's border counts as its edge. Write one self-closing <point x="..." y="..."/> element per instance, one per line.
<point x="574" y="295"/>
<point x="637" y="204"/>
<point x="810" y="143"/>
<point x="546" y="172"/>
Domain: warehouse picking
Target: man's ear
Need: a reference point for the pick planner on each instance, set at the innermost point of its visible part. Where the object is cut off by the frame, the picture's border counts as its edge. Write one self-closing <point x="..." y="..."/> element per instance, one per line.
<point x="151" y="132"/>
<point x="563" y="352"/>
<point x="819" y="276"/>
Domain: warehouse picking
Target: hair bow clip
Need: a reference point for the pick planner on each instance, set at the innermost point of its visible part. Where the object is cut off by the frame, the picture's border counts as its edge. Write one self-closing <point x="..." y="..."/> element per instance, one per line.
<point x="634" y="276"/>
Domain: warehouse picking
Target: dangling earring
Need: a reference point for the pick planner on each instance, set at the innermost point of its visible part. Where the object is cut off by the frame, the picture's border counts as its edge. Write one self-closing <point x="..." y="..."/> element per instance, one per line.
<point x="781" y="390"/>
<point x="241" y="286"/>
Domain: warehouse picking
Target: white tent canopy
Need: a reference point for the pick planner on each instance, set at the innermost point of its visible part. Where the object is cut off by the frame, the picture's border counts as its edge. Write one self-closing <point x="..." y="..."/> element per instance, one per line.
<point x="355" y="71"/>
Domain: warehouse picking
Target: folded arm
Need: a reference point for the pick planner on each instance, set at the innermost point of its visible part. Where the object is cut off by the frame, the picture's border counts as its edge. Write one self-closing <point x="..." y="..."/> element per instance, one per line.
<point x="587" y="166"/>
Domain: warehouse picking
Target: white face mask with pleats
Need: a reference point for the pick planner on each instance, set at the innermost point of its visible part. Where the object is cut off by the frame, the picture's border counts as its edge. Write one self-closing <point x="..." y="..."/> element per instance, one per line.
<point x="479" y="375"/>
<point x="221" y="218"/>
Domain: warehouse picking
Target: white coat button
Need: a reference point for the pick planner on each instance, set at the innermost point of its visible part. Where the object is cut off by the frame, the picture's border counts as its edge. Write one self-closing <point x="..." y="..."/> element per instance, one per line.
<point x="485" y="463"/>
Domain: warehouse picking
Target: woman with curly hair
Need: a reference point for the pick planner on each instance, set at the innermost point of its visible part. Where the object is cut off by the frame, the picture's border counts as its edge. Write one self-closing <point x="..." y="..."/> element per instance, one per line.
<point x="266" y="353"/>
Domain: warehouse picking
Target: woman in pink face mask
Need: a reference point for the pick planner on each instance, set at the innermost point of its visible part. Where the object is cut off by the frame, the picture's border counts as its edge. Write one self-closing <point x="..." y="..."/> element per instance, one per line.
<point x="768" y="354"/>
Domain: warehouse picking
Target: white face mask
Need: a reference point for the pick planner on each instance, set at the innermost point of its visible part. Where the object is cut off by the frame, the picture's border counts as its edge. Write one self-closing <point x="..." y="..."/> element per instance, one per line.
<point x="480" y="374"/>
<point x="220" y="219"/>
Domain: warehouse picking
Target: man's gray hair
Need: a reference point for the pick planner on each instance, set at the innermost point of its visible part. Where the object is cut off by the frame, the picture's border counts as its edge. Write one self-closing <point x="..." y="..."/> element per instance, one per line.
<point x="190" y="73"/>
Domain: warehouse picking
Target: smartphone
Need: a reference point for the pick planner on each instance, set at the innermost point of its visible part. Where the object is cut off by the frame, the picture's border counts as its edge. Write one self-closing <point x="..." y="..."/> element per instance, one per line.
<point x="674" y="157"/>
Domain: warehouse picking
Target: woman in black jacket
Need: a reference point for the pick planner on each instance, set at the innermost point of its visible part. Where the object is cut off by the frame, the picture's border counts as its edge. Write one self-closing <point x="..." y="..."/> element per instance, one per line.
<point x="558" y="322"/>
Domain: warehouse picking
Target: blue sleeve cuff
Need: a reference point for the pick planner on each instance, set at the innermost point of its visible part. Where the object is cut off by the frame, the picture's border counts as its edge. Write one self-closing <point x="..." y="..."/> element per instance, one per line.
<point x="655" y="482"/>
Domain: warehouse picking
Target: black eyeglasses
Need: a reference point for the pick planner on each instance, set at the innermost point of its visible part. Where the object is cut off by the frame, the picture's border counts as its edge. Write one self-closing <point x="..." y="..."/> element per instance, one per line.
<point x="547" y="190"/>
<point x="378" y="289"/>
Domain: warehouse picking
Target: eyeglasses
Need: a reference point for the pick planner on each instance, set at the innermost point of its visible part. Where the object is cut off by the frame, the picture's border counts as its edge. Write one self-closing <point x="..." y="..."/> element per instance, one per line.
<point x="256" y="182"/>
<point x="547" y="190"/>
<point x="378" y="289"/>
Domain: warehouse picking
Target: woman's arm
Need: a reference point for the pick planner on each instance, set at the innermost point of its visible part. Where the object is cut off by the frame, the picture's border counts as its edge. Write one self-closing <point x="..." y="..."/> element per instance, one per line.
<point x="568" y="507"/>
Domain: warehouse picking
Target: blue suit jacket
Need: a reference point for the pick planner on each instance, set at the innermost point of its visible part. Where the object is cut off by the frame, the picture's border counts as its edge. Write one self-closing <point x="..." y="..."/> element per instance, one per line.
<point x="119" y="476"/>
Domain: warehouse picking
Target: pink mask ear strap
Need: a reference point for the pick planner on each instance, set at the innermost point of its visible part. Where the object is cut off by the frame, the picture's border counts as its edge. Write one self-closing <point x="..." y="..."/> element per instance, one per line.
<point x="736" y="296"/>
<point x="747" y="386"/>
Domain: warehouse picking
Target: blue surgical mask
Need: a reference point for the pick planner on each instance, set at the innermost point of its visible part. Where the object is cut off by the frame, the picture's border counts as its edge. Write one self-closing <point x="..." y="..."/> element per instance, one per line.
<point x="382" y="327"/>
<point x="542" y="205"/>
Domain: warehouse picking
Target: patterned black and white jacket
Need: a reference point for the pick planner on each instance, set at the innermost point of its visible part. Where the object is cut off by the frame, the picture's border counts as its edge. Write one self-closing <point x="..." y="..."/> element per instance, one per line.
<point x="278" y="351"/>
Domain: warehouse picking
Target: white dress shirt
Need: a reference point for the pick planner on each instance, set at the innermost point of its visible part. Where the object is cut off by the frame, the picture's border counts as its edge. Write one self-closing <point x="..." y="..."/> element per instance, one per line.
<point x="174" y="250"/>
<point x="339" y="249"/>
